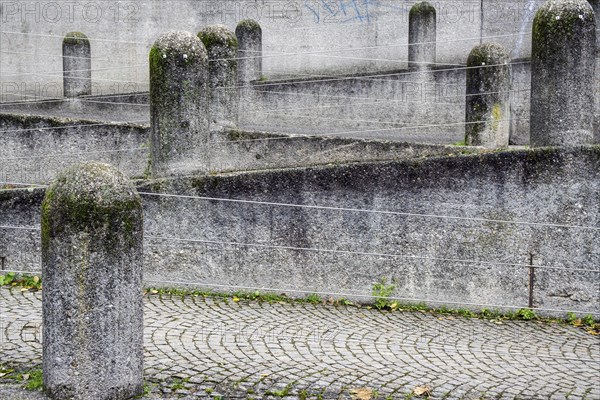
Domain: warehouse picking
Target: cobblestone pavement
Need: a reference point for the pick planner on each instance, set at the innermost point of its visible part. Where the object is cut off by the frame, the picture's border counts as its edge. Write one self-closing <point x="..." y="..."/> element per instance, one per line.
<point x="200" y="347"/>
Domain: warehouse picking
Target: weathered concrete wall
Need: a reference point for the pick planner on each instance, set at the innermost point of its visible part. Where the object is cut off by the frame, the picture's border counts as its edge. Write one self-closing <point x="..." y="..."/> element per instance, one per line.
<point x="131" y="107"/>
<point x="398" y="105"/>
<point x="425" y="107"/>
<point x="520" y="97"/>
<point x="35" y="148"/>
<point x="465" y="256"/>
<point x="121" y="33"/>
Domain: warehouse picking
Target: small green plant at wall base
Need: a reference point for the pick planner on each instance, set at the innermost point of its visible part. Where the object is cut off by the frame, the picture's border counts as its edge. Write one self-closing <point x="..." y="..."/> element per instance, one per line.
<point x="31" y="379"/>
<point x="313" y="298"/>
<point x="26" y="281"/>
<point x="147" y="390"/>
<point x="382" y="291"/>
<point x="35" y="381"/>
<point x="588" y="320"/>
<point x="344" y="302"/>
<point x="7" y="279"/>
<point x="526" y="314"/>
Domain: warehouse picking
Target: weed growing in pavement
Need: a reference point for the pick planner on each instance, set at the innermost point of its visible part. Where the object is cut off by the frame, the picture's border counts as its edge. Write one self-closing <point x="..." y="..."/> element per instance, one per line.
<point x="30" y="379"/>
<point x="280" y="393"/>
<point x="147" y="390"/>
<point x="382" y="291"/>
<point x="527" y="314"/>
<point x="30" y="282"/>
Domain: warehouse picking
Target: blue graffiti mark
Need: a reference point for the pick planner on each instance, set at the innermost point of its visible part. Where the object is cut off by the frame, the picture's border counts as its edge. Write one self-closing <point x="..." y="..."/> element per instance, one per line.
<point x="358" y="14"/>
<point x="328" y="8"/>
<point x="315" y="12"/>
<point x="340" y="11"/>
<point x="343" y="7"/>
<point x="367" y="13"/>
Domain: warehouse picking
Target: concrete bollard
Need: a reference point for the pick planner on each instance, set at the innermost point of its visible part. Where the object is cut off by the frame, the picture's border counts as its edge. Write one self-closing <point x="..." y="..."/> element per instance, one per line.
<point x="421" y="35"/>
<point x="487" y="102"/>
<point x="92" y="273"/>
<point x="222" y="47"/>
<point x="178" y="102"/>
<point x="563" y="56"/>
<point x="77" y="65"/>
<point x="249" y="37"/>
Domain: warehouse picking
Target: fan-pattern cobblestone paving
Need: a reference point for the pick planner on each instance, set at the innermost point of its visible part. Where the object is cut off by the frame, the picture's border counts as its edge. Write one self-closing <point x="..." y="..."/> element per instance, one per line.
<point x="199" y="347"/>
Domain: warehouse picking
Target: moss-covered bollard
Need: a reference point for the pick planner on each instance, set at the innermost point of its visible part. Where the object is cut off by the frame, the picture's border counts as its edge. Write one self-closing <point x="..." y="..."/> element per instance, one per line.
<point x="487" y="100"/>
<point x="222" y="46"/>
<point x="77" y="65"/>
<point x="249" y="37"/>
<point x="421" y="35"/>
<point x="562" y="74"/>
<point x="92" y="274"/>
<point x="178" y="102"/>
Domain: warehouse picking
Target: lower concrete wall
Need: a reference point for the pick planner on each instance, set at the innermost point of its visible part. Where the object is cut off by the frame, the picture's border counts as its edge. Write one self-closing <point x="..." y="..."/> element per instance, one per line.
<point x="459" y="229"/>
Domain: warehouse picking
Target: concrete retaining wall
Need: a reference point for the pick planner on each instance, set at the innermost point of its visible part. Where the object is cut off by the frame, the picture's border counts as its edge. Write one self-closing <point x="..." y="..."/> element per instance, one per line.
<point x="36" y="148"/>
<point x="443" y="240"/>
<point x="422" y="107"/>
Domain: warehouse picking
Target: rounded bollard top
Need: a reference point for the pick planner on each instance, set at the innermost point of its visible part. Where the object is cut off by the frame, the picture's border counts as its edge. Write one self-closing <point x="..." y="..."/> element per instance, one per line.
<point x="178" y="46"/>
<point x="248" y="26"/>
<point x="421" y="8"/>
<point x="557" y="18"/>
<point x="218" y="35"/>
<point x="76" y="38"/>
<point x="89" y="196"/>
<point x="488" y="54"/>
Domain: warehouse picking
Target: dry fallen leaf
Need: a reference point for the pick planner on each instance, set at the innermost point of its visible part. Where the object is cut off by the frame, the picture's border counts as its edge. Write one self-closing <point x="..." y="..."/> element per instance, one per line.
<point x="422" y="391"/>
<point x="362" y="394"/>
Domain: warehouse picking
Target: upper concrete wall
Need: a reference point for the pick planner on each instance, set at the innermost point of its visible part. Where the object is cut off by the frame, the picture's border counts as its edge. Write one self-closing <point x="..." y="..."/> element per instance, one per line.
<point x="426" y="106"/>
<point x="299" y="36"/>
